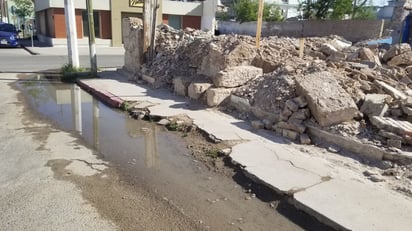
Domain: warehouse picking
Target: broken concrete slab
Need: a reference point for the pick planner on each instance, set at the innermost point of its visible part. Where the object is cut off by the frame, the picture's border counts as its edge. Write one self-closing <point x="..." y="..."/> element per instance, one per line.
<point x="390" y="90"/>
<point x="215" y="96"/>
<point x="272" y="167"/>
<point x="395" y="50"/>
<point x="366" y="150"/>
<point x="294" y="126"/>
<point x="404" y="59"/>
<point x="317" y="89"/>
<point x="396" y="126"/>
<point x="353" y="205"/>
<point x="236" y="76"/>
<point x="195" y="90"/>
<point x="375" y="104"/>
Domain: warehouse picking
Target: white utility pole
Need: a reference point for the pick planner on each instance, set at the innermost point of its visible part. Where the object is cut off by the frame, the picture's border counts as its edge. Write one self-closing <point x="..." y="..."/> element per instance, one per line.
<point x="73" y="49"/>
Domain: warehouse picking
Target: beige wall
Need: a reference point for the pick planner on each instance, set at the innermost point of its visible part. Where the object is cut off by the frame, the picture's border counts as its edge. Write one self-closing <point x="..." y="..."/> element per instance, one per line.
<point x="117" y="8"/>
<point x="122" y="7"/>
<point x="78" y="4"/>
<point x="182" y="8"/>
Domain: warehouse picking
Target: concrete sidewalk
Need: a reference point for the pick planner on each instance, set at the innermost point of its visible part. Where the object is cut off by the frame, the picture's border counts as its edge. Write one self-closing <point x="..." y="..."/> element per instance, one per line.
<point x="336" y="196"/>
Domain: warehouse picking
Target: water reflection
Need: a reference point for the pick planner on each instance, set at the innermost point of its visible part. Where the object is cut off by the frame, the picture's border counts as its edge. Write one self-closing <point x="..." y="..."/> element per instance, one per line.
<point x="110" y="132"/>
<point x="76" y="103"/>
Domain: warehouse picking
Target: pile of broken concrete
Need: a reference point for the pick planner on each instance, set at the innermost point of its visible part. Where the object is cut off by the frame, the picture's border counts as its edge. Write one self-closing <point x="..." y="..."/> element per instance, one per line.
<point x="356" y="90"/>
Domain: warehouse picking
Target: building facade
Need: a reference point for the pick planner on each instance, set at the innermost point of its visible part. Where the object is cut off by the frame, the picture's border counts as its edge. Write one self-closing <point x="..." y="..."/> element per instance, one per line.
<point x="108" y="16"/>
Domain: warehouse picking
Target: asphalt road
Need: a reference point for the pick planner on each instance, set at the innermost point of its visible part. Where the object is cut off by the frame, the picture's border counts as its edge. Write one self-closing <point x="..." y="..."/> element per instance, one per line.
<point x="20" y="60"/>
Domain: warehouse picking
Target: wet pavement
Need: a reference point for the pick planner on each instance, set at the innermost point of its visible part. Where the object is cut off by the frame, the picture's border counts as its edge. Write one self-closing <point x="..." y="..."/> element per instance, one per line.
<point x="150" y="157"/>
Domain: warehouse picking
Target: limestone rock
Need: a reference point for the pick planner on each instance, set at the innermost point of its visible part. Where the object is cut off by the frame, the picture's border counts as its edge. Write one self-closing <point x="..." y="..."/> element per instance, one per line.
<point x="318" y="88"/>
<point x="195" y="90"/>
<point x="236" y="76"/>
<point x="215" y="96"/>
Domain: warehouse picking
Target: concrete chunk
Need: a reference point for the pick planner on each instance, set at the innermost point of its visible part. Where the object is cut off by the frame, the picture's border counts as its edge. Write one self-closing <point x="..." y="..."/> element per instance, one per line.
<point x="241" y="104"/>
<point x="396" y="126"/>
<point x="404" y="59"/>
<point x="180" y="85"/>
<point x="396" y="50"/>
<point x="236" y="76"/>
<point x="195" y="90"/>
<point x="305" y="139"/>
<point x="290" y="134"/>
<point x="216" y="96"/>
<point x="390" y="90"/>
<point x="318" y="88"/>
<point x="375" y="104"/>
<point x="301" y="101"/>
<point x="292" y="105"/>
<point x="368" y="55"/>
<point x="328" y="49"/>
<point x="293" y="126"/>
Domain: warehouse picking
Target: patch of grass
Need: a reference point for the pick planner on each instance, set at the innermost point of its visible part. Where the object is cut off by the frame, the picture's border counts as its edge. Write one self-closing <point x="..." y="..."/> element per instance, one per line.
<point x="214" y="153"/>
<point x="125" y="106"/>
<point x="70" y="73"/>
<point x="172" y="127"/>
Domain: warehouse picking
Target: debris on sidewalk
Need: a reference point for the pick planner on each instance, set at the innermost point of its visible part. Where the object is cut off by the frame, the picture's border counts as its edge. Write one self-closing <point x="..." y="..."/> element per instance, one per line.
<point x="340" y="87"/>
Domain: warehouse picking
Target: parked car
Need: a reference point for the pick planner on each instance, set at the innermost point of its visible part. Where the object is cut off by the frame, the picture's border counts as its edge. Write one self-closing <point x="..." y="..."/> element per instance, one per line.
<point x="9" y="36"/>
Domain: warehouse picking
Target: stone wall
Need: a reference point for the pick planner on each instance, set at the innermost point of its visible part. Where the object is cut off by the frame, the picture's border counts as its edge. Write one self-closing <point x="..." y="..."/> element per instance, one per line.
<point x="352" y="30"/>
<point x="133" y="44"/>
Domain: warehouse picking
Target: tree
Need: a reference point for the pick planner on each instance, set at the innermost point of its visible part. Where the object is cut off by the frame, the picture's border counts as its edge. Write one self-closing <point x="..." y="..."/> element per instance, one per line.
<point x="337" y="9"/>
<point x="316" y="10"/>
<point x="247" y="10"/>
<point x="362" y="11"/>
<point x="341" y="8"/>
<point x="24" y="8"/>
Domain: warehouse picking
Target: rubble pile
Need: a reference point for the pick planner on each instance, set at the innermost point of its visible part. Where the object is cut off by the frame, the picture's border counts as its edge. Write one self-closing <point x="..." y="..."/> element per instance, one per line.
<point x="361" y="91"/>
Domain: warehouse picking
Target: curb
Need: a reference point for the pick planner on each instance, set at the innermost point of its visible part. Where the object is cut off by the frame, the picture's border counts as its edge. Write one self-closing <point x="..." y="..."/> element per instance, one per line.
<point x="106" y="97"/>
<point x="363" y="150"/>
<point x="29" y="50"/>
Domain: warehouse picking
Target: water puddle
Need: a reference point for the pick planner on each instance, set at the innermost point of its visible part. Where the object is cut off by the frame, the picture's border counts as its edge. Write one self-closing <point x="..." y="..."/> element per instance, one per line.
<point x="153" y="158"/>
